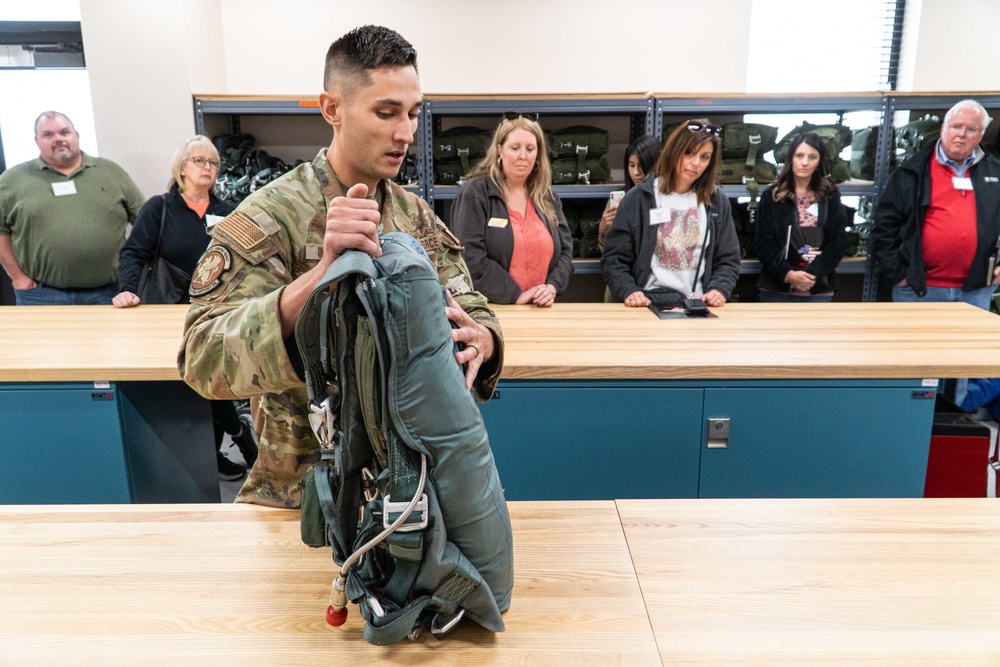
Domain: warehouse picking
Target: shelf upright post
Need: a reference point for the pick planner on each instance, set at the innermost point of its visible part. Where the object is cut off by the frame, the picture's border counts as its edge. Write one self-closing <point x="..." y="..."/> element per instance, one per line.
<point x="199" y="117"/>
<point x="883" y="148"/>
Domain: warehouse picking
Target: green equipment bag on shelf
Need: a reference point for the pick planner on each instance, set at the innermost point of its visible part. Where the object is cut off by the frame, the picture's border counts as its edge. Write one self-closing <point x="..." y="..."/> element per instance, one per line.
<point x="467" y="145"/>
<point x="571" y="171"/>
<point x="406" y="491"/>
<point x="747" y="141"/>
<point x="588" y="214"/>
<point x="916" y="134"/>
<point x="449" y="172"/>
<point x="840" y="170"/>
<point x="863" y="147"/>
<point x="589" y="247"/>
<point x="580" y="141"/>
<point x="835" y="139"/>
<point x="736" y="172"/>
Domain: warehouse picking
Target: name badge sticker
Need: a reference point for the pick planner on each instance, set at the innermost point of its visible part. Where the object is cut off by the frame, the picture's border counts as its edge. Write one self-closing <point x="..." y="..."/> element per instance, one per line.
<point x="497" y="222"/>
<point x="814" y="209"/>
<point x="657" y="216"/>
<point x="961" y="183"/>
<point x="64" y="188"/>
<point x="212" y="220"/>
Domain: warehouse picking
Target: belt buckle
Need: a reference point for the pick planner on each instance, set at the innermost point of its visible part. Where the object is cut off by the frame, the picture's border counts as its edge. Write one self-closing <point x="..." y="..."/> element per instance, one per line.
<point x="390" y="506"/>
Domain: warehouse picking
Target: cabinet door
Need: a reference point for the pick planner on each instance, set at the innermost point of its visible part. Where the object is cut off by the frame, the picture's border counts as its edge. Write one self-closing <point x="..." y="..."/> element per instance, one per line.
<point x="61" y="446"/>
<point x="818" y="442"/>
<point x="559" y="442"/>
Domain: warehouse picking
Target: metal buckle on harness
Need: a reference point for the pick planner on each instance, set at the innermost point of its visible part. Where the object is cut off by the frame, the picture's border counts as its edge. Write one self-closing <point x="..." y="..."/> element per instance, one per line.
<point x="391" y="507"/>
<point x="368" y="484"/>
<point x="321" y="421"/>
<point x="446" y="628"/>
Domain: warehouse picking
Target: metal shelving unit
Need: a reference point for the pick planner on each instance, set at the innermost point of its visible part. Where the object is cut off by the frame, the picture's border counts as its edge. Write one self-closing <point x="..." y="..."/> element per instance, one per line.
<point x="639" y="108"/>
<point x="646" y="116"/>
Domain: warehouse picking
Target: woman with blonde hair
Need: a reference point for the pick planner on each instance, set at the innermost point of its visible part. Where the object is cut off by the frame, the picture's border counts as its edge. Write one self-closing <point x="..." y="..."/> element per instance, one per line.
<point x="673" y="237"/>
<point x="177" y="223"/>
<point x="517" y="242"/>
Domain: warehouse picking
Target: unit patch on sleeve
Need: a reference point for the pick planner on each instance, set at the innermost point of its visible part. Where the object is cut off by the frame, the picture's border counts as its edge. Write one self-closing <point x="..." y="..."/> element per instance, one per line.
<point x="208" y="273"/>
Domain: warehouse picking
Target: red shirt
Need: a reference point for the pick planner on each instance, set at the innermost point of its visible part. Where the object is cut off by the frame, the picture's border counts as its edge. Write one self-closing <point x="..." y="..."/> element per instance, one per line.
<point x="533" y="248"/>
<point x="949" y="234"/>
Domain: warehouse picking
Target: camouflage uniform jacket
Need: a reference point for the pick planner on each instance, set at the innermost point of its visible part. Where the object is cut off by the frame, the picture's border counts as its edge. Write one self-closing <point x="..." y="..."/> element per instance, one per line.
<point x="232" y="344"/>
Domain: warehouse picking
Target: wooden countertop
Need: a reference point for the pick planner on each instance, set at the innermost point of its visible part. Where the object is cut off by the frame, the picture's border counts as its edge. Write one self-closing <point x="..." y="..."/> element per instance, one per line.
<point x="825" y="582"/>
<point x="749" y="582"/>
<point x="234" y="585"/>
<point x="751" y="341"/>
<point x="571" y="341"/>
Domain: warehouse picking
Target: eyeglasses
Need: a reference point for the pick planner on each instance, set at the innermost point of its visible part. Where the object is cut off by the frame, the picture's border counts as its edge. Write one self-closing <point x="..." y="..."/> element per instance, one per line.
<point x="959" y="127"/>
<point x="200" y="162"/>
<point x="513" y="115"/>
<point x="697" y="126"/>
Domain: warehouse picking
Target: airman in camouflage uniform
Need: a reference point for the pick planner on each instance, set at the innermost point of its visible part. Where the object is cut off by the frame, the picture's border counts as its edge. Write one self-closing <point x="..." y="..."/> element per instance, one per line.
<point x="233" y="342"/>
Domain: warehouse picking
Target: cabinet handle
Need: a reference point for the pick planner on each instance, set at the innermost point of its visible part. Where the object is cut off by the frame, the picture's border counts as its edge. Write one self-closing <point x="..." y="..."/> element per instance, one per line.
<point x="718" y="433"/>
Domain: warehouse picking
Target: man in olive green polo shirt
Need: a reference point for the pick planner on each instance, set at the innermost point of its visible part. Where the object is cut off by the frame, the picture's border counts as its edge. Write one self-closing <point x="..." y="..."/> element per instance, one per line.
<point x="63" y="218"/>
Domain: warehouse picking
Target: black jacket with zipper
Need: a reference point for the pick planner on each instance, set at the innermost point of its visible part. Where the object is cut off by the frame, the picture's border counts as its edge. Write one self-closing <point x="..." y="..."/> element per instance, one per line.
<point x="628" y="250"/>
<point x="897" y="238"/>
<point x="774" y="218"/>
<point x="488" y="249"/>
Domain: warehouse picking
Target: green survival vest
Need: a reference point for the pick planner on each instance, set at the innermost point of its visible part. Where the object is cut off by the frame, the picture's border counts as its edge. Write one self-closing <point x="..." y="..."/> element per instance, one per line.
<point x="402" y="444"/>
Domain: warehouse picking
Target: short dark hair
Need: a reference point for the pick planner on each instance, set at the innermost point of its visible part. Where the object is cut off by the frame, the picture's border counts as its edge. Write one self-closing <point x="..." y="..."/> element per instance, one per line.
<point x="645" y="149"/>
<point x="363" y="50"/>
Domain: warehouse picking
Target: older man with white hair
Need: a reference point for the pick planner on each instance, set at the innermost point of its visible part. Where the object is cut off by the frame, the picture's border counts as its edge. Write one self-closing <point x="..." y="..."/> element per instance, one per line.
<point x="937" y="225"/>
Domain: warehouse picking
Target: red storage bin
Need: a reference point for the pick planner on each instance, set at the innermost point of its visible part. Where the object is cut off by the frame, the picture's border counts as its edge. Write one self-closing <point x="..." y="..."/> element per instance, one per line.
<point x="957" y="466"/>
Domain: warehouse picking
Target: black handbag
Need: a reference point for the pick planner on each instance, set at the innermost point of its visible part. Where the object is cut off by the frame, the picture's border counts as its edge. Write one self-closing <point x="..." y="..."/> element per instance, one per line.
<point x="161" y="281"/>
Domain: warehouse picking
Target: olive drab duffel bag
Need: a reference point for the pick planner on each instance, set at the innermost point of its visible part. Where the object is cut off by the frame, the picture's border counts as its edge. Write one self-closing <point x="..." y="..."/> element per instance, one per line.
<point x="577" y="155"/>
<point x="916" y="134"/>
<point x="571" y="171"/>
<point x="747" y="141"/>
<point x="736" y="171"/>
<point x="835" y="139"/>
<point x="457" y="151"/>
<point x="580" y="140"/>
<point x="863" y="147"/>
<point x="406" y="491"/>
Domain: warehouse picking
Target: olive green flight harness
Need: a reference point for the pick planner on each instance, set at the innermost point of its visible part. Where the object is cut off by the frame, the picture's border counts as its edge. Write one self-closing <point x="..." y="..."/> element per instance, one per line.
<point x="406" y="491"/>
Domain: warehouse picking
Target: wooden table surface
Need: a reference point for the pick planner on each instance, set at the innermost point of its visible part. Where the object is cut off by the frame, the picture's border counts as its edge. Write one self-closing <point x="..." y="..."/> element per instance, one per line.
<point x="234" y="585"/>
<point x="824" y="582"/>
<point x="571" y="341"/>
<point x="716" y="582"/>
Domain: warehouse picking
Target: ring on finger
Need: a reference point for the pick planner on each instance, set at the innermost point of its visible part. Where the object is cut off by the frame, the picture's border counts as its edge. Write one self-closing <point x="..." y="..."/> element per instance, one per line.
<point x="474" y="348"/>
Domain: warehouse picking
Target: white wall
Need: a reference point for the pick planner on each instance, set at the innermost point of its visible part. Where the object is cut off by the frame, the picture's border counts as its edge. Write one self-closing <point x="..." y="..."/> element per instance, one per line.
<point x="138" y="64"/>
<point x="520" y="46"/>
<point x="956" y="48"/>
<point x="146" y="59"/>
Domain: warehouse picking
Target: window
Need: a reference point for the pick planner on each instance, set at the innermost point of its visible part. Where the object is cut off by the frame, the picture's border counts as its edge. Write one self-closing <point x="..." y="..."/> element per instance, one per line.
<point x="823" y="46"/>
<point x="49" y="80"/>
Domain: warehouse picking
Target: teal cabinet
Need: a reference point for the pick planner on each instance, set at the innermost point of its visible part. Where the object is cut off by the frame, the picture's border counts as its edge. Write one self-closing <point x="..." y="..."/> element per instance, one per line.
<point x="61" y="444"/>
<point x="814" y="441"/>
<point x="602" y="439"/>
<point x="566" y="440"/>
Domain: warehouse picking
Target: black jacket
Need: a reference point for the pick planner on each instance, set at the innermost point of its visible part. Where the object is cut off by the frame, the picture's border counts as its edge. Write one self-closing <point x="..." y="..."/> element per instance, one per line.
<point x="897" y="238"/>
<point x="488" y="249"/>
<point x="184" y="237"/>
<point x="773" y="220"/>
<point x="628" y="250"/>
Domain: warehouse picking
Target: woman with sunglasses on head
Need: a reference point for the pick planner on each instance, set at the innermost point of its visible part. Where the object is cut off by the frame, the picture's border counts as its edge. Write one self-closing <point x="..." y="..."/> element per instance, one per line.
<point x="673" y="237"/>
<point x="177" y="222"/>
<point x="517" y="243"/>
<point x="640" y="156"/>
<point x="801" y="228"/>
